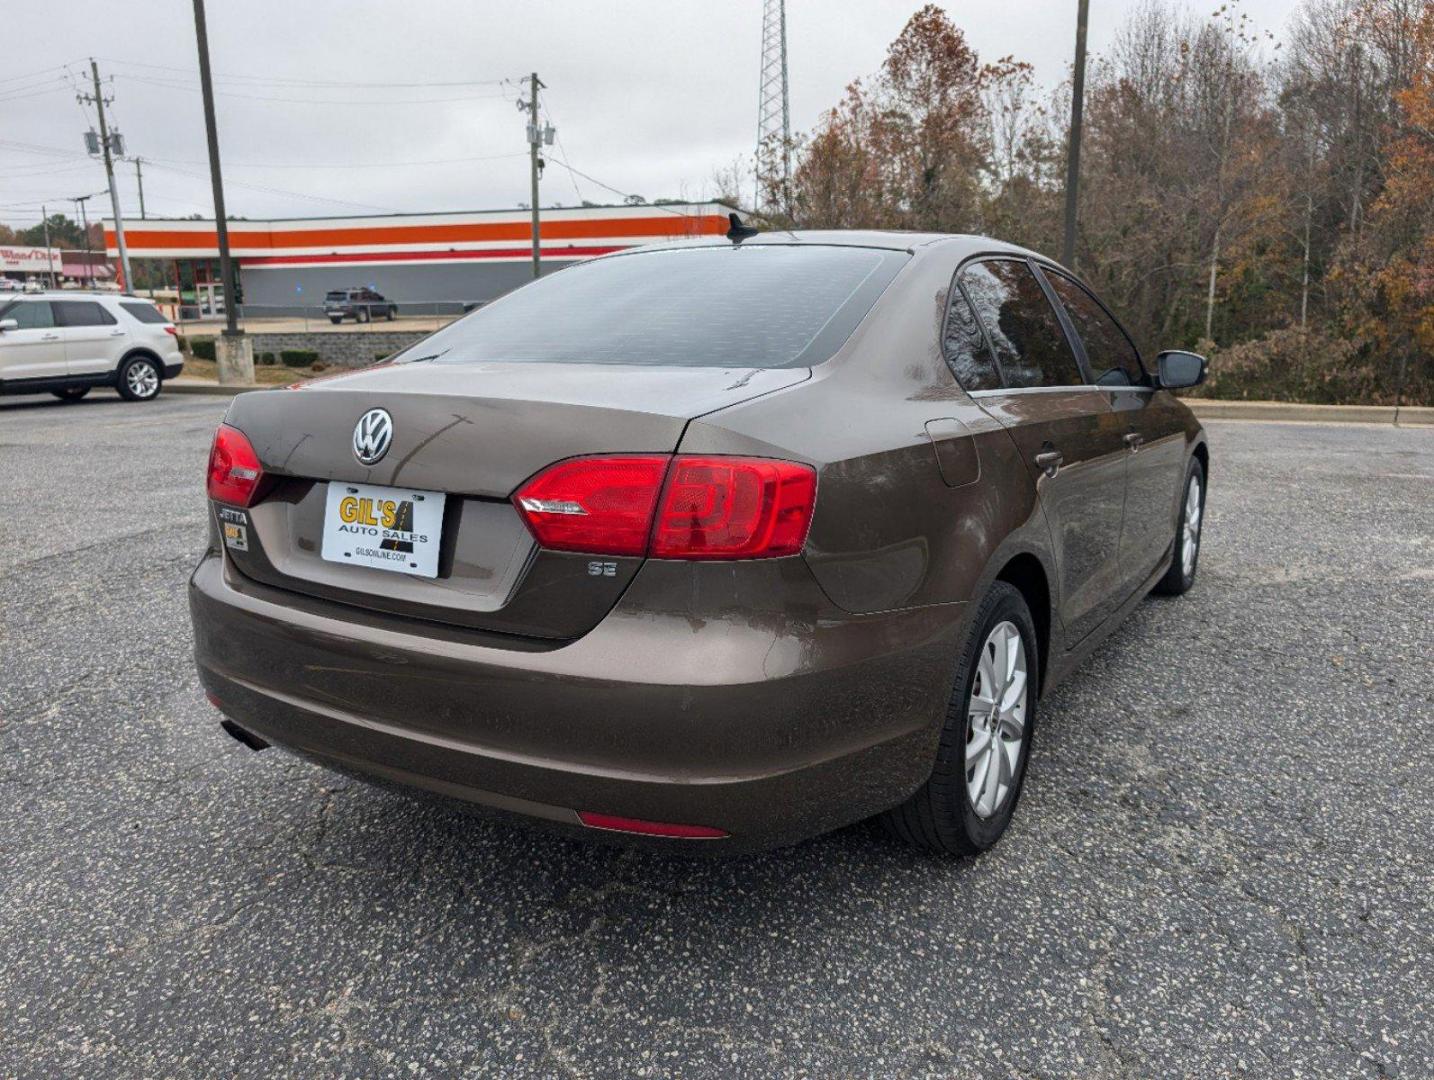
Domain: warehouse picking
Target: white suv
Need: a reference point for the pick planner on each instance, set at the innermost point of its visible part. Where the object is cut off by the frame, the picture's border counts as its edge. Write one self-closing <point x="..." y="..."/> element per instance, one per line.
<point x="65" y="343"/>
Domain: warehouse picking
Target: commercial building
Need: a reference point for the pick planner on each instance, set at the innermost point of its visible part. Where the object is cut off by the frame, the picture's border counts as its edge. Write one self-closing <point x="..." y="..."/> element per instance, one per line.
<point x="423" y="262"/>
<point x="53" y="266"/>
<point x="23" y="263"/>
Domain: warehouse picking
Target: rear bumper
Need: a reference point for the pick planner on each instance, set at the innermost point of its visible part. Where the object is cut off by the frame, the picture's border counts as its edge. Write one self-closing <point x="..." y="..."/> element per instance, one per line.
<point x="173" y="368"/>
<point x="771" y="727"/>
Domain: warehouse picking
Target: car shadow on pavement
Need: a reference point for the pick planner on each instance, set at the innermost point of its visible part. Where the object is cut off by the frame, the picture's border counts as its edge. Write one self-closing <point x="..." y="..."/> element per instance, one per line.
<point x="28" y="402"/>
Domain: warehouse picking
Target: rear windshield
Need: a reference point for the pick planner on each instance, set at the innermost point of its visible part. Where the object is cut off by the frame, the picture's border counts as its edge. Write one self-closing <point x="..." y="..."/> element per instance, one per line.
<point x="337" y="296"/>
<point x="764" y="306"/>
<point x="145" y="313"/>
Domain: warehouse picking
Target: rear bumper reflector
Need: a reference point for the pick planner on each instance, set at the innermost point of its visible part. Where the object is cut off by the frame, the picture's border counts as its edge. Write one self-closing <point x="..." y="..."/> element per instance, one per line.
<point x="650" y="828"/>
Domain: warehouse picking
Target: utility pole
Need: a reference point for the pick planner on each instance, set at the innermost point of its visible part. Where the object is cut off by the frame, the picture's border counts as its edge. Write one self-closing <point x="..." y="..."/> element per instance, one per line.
<point x="535" y="162"/>
<point x="235" y="355"/>
<point x="98" y="99"/>
<point x="139" y="178"/>
<point x="1073" y="152"/>
<point x="79" y="201"/>
<point x="49" y="253"/>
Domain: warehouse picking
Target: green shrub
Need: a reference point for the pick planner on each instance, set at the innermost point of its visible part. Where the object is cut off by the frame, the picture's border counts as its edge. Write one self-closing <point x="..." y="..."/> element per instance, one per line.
<point x="202" y="348"/>
<point x="266" y="358"/>
<point x="298" y="357"/>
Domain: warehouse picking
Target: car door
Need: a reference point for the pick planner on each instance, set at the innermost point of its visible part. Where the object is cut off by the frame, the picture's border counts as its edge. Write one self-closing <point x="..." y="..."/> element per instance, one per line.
<point x="35" y="349"/>
<point x="1153" y="430"/>
<point x="1064" y="428"/>
<point x="94" y="340"/>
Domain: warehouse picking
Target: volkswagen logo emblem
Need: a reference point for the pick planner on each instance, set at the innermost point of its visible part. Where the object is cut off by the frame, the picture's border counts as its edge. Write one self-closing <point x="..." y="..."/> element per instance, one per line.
<point x="372" y="434"/>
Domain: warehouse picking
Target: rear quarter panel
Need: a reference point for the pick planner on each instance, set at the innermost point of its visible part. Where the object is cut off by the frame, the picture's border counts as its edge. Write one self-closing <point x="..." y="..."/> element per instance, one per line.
<point x="890" y="531"/>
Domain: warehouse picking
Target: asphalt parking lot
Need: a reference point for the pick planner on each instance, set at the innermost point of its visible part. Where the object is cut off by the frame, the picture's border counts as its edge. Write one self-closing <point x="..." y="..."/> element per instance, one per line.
<point x="1223" y="864"/>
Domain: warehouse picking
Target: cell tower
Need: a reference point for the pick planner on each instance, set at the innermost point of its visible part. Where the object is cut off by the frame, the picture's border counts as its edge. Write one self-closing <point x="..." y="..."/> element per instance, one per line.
<point x="774" y="120"/>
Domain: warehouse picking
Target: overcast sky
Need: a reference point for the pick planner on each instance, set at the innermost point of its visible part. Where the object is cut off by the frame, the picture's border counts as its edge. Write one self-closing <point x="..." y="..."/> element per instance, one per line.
<point x="650" y="97"/>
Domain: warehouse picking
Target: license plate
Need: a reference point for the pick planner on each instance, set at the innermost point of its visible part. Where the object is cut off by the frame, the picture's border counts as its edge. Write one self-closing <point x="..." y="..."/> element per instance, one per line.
<point x="383" y="527"/>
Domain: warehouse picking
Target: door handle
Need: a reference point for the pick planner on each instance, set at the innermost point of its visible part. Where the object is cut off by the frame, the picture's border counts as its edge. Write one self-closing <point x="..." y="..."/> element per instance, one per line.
<point x="49" y="337"/>
<point x="1049" y="461"/>
<point x="1134" y="440"/>
<point x="116" y="333"/>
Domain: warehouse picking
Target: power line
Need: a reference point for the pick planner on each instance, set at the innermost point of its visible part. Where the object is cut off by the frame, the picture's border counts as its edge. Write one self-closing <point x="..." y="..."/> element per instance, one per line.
<point x="19" y="93"/>
<point x="55" y="151"/>
<point x="36" y="148"/>
<point x="281" y="81"/>
<point x="277" y="191"/>
<point x="45" y="171"/>
<point x="40" y="71"/>
<point x="349" y="102"/>
<point x="343" y="164"/>
<point x="591" y="179"/>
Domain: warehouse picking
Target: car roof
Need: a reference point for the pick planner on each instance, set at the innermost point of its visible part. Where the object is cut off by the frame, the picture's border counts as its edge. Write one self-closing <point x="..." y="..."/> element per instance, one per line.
<point x="886" y="239"/>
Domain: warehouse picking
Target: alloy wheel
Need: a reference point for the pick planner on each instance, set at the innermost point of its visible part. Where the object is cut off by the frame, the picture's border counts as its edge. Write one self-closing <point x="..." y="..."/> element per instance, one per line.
<point x="996" y="719"/>
<point x="142" y="379"/>
<point x="1190" y="535"/>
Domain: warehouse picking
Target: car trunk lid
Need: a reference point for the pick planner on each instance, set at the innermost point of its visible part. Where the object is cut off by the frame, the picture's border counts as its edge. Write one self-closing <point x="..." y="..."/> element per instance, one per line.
<point x="474" y="432"/>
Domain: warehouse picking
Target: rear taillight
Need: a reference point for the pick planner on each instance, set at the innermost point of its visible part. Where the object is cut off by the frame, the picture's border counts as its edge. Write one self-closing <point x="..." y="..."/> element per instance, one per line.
<point x="599" y="505"/>
<point x="171" y="330"/>
<point x="734" y="508"/>
<point x="234" y="469"/>
<point x="683" y="507"/>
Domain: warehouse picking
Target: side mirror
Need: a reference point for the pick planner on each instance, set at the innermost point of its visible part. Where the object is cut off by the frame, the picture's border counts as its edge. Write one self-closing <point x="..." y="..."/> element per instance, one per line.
<point x="9" y="324"/>
<point x="1178" y="369"/>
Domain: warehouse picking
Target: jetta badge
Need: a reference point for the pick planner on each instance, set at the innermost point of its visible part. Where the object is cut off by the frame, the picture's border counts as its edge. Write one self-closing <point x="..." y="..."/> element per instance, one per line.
<point x="372" y="434"/>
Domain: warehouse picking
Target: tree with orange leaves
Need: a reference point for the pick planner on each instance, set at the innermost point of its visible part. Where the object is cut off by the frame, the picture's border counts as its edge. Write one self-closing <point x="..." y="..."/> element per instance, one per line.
<point x="907" y="151"/>
<point x="1392" y="266"/>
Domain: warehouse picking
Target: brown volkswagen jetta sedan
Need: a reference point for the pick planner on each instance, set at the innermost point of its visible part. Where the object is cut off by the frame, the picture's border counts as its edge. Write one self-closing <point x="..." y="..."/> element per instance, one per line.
<point x="724" y="541"/>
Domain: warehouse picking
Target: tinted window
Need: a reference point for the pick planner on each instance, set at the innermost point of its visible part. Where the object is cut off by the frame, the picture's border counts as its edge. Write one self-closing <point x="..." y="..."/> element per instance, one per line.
<point x="1031" y="348"/>
<point x="336" y="296"/>
<point x="145" y="313"/>
<point x="1113" y="359"/>
<point x="964" y="347"/>
<point x="31" y="315"/>
<point x="760" y="306"/>
<point x="82" y="313"/>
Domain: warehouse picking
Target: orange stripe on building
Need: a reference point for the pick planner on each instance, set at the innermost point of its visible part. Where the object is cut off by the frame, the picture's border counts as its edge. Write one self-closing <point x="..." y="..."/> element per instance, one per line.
<point x="664" y="225"/>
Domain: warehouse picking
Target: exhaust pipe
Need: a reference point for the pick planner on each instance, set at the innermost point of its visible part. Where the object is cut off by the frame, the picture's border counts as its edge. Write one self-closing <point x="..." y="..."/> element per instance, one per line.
<point x="248" y="738"/>
<point x="238" y="734"/>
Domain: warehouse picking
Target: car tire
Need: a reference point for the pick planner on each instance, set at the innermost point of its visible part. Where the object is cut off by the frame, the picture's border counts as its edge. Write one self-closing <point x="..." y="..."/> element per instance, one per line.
<point x="392" y="313"/>
<point x="950" y="814"/>
<point x="71" y="393"/>
<point x="139" y="379"/>
<point x="1185" y="559"/>
<point x="363" y="315"/>
<point x="336" y="321"/>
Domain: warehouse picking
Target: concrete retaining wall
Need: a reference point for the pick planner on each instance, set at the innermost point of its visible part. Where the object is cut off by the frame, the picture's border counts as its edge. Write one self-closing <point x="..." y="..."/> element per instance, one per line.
<point x="338" y="349"/>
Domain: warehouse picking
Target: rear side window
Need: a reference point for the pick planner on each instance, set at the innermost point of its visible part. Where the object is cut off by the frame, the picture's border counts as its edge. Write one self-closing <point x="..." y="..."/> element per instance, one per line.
<point x="1112" y="358"/>
<point x="1031" y="348"/>
<point x="762" y="306"/>
<point x="964" y="347"/>
<point x="82" y="313"/>
<point x="145" y="313"/>
<point x="31" y="315"/>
